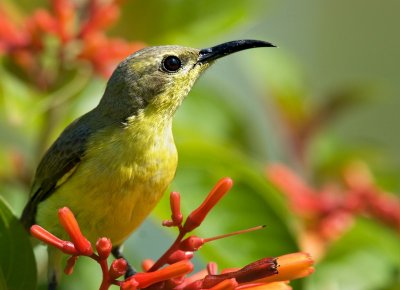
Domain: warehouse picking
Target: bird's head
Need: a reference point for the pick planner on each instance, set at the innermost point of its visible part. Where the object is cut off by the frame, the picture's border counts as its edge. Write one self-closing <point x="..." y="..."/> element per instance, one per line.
<point x="157" y="79"/>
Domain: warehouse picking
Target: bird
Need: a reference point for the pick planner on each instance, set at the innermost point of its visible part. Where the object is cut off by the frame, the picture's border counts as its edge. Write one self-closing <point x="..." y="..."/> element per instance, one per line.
<point x="112" y="165"/>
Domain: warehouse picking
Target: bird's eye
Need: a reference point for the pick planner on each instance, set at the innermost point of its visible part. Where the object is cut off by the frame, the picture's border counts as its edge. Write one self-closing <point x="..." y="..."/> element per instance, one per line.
<point x="171" y="63"/>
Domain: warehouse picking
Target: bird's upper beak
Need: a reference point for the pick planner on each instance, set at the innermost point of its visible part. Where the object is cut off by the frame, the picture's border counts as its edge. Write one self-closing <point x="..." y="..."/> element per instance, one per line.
<point x="212" y="53"/>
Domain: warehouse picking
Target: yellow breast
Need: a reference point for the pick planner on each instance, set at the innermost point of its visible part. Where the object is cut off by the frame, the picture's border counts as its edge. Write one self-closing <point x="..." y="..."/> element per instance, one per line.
<point x="121" y="178"/>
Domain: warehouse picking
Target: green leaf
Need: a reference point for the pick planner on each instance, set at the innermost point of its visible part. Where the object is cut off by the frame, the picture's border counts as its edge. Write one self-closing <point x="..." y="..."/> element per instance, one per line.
<point x="17" y="263"/>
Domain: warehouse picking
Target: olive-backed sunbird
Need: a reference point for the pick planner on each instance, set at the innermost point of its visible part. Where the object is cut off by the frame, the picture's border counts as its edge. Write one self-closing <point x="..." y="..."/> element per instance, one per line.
<point x="113" y="164"/>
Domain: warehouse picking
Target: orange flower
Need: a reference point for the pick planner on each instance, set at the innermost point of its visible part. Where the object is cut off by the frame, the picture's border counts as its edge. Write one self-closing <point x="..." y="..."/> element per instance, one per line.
<point x="290" y="267"/>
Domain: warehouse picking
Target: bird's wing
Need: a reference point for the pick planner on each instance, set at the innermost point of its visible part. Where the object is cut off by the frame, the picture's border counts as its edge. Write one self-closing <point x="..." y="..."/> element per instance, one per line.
<point x="57" y="165"/>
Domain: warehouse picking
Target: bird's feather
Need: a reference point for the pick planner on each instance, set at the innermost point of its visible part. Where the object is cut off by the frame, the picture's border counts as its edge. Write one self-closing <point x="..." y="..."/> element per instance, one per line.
<point x="58" y="165"/>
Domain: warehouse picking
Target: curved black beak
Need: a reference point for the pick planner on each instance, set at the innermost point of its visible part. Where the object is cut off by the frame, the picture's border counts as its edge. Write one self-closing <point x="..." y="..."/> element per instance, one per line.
<point x="215" y="52"/>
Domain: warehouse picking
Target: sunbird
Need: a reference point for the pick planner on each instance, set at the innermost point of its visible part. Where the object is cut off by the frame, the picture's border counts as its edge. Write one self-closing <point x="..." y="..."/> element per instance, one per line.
<point x="112" y="165"/>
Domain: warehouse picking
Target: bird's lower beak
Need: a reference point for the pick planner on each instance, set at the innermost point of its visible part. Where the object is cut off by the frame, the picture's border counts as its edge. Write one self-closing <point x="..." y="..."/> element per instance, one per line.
<point x="212" y="53"/>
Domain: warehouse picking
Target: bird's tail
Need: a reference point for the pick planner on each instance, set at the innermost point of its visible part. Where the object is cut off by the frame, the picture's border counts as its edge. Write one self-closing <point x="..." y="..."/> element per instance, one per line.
<point x="28" y="216"/>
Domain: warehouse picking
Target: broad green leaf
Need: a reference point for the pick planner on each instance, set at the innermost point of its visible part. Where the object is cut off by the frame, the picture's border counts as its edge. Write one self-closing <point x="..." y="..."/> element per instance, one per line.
<point x="17" y="262"/>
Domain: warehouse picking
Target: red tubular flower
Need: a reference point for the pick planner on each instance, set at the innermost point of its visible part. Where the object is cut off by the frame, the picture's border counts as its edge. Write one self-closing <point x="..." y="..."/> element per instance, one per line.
<point x="176" y="215"/>
<point x="68" y="221"/>
<point x="130" y="284"/>
<point x="179" y="256"/>
<point x="198" y="215"/>
<point x="175" y="270"/>
<point x="175" y="202"/>
<point x="50" y="239"/>
<point x="191" y="244"/>
<point x="118" y="268"/>
<point x="103" y="247"/>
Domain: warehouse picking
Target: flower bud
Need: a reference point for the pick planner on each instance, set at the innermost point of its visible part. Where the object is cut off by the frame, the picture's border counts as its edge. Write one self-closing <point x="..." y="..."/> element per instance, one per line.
<point x="129" y="284"/>
<point x="104" y="247"/>
<point x="175" y="203"/>
<point x="179" y="255"/>
<point x="191" y="244"/>
<point x="118" y="268"/>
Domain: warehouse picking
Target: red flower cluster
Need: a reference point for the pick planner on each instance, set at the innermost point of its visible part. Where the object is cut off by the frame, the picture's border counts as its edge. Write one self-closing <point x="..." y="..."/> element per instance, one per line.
<point x="329" y="212"/>
<point x="78" y="29"/>
<point x="266" y="273"/>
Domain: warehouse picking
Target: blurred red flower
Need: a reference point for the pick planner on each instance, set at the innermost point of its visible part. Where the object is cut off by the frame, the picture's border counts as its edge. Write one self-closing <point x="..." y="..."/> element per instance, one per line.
<point x="79" y="29"/>
<point x="328" y="212"/>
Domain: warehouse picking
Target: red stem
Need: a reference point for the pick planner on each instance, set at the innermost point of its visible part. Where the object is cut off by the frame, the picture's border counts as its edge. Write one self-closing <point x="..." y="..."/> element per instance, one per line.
<point x="105" y="283"/>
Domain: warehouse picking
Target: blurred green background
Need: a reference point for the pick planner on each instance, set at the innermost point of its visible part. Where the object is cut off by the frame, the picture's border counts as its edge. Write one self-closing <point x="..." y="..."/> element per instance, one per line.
<point x="230" y="125"/>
